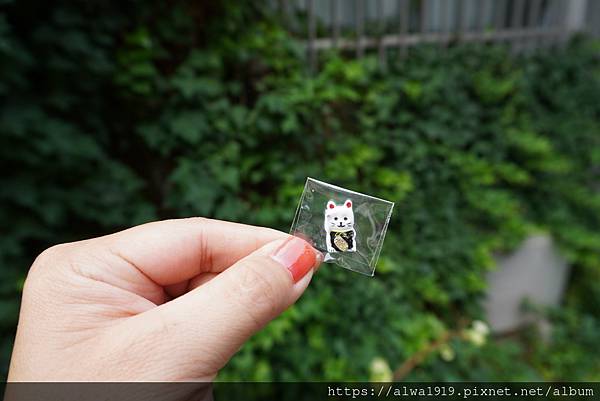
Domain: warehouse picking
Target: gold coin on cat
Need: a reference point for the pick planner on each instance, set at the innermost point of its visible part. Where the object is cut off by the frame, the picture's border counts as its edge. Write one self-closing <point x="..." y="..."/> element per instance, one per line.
<point x="340" y="243"/>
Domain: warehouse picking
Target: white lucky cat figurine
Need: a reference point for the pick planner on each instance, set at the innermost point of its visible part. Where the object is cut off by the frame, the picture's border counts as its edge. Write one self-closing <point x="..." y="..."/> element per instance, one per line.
<point x="339" y="226"/>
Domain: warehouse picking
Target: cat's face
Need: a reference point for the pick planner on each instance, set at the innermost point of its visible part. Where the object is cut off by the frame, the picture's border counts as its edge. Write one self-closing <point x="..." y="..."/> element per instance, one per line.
<point x="339" y="217"/>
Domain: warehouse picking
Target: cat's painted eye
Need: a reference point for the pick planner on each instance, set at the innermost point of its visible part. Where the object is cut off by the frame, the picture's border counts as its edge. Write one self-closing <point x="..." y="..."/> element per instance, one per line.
<point x="335" y="218"/>
<point x="345" y="218"/>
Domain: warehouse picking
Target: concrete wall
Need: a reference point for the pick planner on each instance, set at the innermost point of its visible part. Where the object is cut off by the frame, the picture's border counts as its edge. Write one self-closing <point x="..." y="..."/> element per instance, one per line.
<point x="535" y="272"/>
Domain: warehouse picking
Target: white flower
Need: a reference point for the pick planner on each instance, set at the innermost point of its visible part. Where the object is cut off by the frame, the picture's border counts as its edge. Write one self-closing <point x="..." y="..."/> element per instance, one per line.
<point x="380" y="370"/>
<point x="481" y="327"/>
<point x="447" y="353"/>
<point x="478" y="333"/>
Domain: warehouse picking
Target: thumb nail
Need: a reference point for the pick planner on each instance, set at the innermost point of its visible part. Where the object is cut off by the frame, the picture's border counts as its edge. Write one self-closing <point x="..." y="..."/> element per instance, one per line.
<point x="297" y="256"/>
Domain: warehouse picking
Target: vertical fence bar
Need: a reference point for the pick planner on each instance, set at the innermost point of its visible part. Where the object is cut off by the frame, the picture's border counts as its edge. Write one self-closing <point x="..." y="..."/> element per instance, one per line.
<point x="548" y="21"/>
<point x="562" y="21"/>
<point x="404" y="16"/>
<point x="404" y="20"/>
<point x="423" y="23"/>
<point x="534" y="13"/>
<point x="552" y="21"/>
<point x="516" y="21"/>
<point x="556" y="20"/>
<point x="593" y="21"/>
<point x="480" y="15"/>
<point x="335" y="23"/>
<point x="312" y="33"/>
<point x="359" y="15"/>
<point x="533" y="22"/>
<point x="381" y="23"/>
<point x="460" y="18"/>
<point x="518" y="10"/>
<point x="564" y="9"/>
<point x="500" y="17"/>
<point x="445" y="22"/>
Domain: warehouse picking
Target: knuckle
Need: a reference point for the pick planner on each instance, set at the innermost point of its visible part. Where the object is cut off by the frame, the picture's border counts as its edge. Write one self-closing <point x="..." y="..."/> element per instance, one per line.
<point x="50" y="257"/>
<point x="42" y="273"/>
<point x="197" y="220"/>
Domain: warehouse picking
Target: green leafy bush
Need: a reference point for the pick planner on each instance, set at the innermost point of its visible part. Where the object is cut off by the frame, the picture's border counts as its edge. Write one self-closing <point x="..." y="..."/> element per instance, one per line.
<point x="116" y="114"/>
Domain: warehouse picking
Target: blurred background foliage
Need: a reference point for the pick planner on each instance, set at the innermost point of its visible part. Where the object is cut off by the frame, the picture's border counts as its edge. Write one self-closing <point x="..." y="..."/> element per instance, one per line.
<point x="117" y="113"/>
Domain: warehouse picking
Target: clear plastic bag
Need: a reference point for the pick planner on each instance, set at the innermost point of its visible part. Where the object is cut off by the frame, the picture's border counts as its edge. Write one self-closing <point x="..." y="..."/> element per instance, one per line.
<point x="347" y="226"/>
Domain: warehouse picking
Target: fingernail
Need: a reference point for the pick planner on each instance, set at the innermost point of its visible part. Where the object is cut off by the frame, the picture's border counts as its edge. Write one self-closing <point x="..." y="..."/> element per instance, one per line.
<point x="318" y="260"/>
<point x="297" y="256"/>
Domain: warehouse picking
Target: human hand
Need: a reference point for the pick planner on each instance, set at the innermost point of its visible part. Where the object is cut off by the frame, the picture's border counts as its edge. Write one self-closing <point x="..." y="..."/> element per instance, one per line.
<point x="166" y="301"/>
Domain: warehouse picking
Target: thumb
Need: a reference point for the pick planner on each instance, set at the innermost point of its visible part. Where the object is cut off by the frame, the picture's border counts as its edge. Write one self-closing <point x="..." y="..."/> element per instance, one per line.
<point x="215" y="319"/>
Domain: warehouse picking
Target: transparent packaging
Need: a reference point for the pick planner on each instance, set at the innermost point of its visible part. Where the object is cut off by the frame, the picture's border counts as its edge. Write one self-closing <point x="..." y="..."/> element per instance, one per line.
<point x="347" y="226"/>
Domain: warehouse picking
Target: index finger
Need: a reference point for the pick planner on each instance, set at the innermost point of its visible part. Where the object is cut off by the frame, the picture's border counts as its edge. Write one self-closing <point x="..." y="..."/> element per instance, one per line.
<point x="172" y="251"/>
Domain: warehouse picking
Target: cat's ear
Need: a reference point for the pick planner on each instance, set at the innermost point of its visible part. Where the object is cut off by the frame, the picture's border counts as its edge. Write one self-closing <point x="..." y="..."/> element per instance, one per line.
<point x="330" y="205"/>
<point x="348" y="203"/>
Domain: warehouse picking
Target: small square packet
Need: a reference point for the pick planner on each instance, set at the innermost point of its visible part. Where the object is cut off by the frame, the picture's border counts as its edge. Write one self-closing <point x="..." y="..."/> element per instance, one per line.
<point x="347" y="226"/>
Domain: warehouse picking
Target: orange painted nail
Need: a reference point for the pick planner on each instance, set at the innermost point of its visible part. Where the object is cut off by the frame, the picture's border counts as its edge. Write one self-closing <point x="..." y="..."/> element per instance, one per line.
<point x="297" y="256"/>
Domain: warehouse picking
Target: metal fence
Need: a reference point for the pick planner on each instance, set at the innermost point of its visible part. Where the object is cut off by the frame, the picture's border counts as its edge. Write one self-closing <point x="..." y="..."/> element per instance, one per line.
<point x="360" y="26"/>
